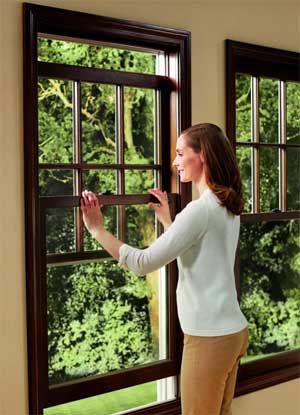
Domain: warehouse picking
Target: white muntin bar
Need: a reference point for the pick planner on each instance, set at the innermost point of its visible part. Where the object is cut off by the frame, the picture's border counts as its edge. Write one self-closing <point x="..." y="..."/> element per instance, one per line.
<point x="282" y="140"/>
<point x="255" y="138"/>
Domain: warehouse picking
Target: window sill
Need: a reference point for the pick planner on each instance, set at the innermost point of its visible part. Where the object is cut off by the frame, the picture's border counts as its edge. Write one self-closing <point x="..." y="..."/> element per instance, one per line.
<point x="247" y="384"/>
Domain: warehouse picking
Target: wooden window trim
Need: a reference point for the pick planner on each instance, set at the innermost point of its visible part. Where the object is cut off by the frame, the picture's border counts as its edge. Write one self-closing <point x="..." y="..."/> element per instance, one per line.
<point x="177" y="44"/>
<point x="283" y="65"/>
<point x="103" y="76"/>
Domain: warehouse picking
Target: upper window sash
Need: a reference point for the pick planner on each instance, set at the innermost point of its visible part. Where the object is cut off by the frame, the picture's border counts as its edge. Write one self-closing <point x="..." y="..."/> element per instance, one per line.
<point x="258" y="61"/>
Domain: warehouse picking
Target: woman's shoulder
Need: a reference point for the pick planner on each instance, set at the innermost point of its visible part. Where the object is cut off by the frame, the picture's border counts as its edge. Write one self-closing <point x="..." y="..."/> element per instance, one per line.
<point x="193" y="211"/>
<point x="211" y="203"/>
<point x="205" y="201"/>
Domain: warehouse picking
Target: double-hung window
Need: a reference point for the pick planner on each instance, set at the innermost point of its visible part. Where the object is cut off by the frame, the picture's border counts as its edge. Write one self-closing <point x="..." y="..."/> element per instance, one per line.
<point x="263" y="97"/>
<point x="104" y="102"/>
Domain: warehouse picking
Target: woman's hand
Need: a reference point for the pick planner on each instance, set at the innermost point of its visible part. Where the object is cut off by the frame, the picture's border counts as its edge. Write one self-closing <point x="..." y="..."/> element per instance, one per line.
<point x="91" y="212"/>
<point x="162" y="209"/>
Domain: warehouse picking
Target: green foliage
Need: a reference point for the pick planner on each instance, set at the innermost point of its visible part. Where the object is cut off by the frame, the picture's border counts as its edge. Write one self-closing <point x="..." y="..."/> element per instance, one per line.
<point x="270" y="284"/>
<point x="73" y="53"/>
<point x="274" y="325"/>
<point x="243" y="108"/>
<point x="293" y="110"/>
<point x="55" y="121"/>
<point x="100" y="322"/>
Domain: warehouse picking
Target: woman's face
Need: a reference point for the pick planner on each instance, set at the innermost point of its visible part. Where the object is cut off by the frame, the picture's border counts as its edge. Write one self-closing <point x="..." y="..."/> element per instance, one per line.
<point x="189" y="164"/>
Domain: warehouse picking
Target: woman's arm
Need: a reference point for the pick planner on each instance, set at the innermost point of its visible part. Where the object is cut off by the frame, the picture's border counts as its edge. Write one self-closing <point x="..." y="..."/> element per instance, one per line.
<point x="188" y="227"/>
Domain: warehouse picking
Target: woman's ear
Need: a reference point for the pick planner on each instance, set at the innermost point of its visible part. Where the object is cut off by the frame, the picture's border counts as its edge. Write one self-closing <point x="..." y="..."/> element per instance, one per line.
<point x="201" y="157"/>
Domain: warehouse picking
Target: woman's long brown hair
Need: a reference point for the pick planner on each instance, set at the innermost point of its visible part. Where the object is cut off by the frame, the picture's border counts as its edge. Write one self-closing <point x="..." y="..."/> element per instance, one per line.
<point x="221" y="170"/>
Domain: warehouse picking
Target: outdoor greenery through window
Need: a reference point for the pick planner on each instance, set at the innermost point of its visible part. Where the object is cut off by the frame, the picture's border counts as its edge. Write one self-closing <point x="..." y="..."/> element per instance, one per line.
<point x="267" y="148"/>
<point x="114" y="402"/>
<point x="96" y="136"/>
<point x="95" y="56"/>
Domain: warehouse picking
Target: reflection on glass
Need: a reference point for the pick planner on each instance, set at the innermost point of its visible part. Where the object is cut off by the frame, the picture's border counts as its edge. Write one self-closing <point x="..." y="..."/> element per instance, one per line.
<point x="55" y="182"/>
<point x="101" y="318"/>
<point x="268" y="110"/>
<point x="60" y="236"/>
<point x="243" y="107"/>
<point x="117" y="401"/>
<point x="139" y="131"/>
<point x="292" y="112"/>
<point x="83" y="54"/>
<point x="243" y="156"/>
<point x="55" y="121"/>
<point x="293" y="175"/>
<point x="270" y="292"/>
<point x="98" y="111"/>
<point x="269" y="179"/>
<point x="100" y="181"/>
<point x="140" y="225"/>
<point x="138" y="181"/>
<point x="110" y="223"/>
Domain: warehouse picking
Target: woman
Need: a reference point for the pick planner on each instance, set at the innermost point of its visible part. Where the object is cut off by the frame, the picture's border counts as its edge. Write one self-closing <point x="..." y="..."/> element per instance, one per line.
<point x="203" y="238"/>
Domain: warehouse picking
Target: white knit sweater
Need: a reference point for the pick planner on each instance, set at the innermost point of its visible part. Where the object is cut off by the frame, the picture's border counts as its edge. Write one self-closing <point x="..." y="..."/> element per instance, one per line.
<point x="203" y="238"/>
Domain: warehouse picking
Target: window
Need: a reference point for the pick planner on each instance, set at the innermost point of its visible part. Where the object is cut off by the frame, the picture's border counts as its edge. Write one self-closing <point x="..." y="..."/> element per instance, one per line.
<point x="263" y="95"/>
<point x="102" y="99"/>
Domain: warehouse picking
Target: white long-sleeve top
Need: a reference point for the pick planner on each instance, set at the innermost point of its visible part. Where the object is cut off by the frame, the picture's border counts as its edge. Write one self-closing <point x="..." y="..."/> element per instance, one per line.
<point x="203" y="238"/>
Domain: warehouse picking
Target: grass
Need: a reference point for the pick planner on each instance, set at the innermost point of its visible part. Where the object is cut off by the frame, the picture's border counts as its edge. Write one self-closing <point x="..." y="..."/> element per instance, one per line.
<point x="108" y="403"/>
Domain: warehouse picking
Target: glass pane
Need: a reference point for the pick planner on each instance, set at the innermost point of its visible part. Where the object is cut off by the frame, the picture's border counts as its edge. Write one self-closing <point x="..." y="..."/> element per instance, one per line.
<point x="243" y="107"/>
<point x="55" y="182"/>
<point x="98" y="113"/>
<point x="140" y="225"/>
<point x="117" y="401"/>
<point x="243" y="156"/>
<point x="83" y="54"/>
<point x="268" y="110"/>
<point x="100" y="181"/>
<point x="60" y="236"/>
<point x="138" y="181"/>
<point x="293" y="111"/>
<point x="269" y="179"/>
<point x="293" y="181"/>
<point x="139" y="132"/>
<point x="110" y="223"/>
<point x="102" y="318"/>
<point x="55" y="121"/>
<point x="270" y="291"/>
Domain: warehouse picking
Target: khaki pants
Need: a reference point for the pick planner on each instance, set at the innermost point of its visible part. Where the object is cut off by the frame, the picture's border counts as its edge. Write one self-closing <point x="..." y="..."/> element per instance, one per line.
<point x="208" y="372"/>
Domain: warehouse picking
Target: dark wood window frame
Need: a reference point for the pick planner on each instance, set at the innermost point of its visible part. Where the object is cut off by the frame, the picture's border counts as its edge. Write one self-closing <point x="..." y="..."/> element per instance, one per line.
<point x="176" y="44"/>
<point x="244" y="58"/>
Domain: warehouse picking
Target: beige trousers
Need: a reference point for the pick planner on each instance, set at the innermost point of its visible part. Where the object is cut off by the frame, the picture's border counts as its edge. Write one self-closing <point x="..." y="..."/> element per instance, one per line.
<point x="208" y="372"/>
